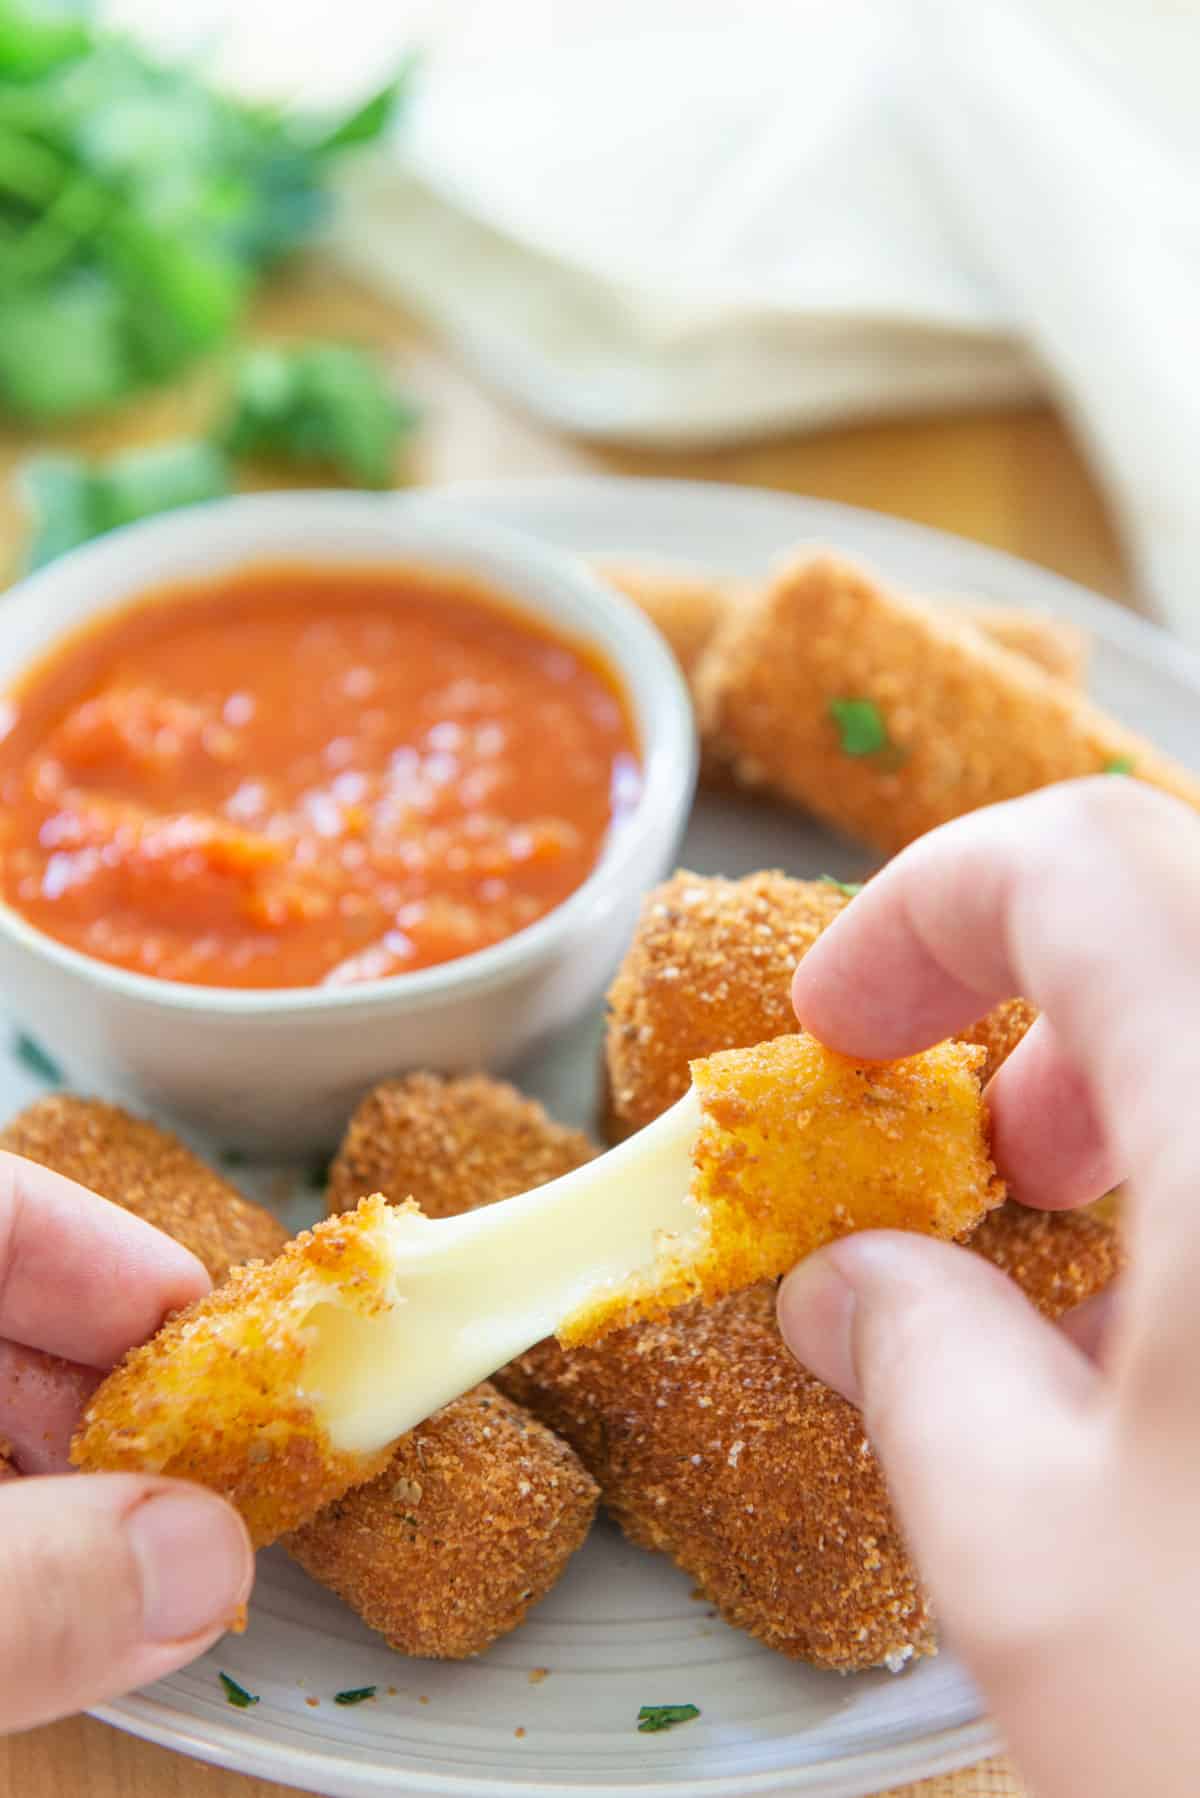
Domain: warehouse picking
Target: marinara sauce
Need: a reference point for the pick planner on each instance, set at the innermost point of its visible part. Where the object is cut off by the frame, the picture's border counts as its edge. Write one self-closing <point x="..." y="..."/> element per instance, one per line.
<point x="301" y="777"/>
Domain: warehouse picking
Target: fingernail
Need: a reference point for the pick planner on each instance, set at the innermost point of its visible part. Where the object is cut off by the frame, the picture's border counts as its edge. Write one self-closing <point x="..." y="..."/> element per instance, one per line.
<point x="195" y="1561"/>
<point x="816" y="1318"/>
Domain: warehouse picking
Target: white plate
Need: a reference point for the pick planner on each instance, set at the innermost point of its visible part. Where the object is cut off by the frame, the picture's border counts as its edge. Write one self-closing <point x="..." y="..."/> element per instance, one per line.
<point x="621" y="1630"/>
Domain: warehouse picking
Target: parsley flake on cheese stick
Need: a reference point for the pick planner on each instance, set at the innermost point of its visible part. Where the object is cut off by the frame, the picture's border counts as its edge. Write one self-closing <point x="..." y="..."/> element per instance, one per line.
<point x="288" y="1385"/>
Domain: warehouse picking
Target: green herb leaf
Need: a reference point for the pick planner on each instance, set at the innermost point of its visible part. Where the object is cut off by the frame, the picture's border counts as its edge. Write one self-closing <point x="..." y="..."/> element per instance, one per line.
<point x="370" y="120"/>
<point x="1119" y="764"/>
<point x="320" y="404"/>
<point x="355" y="1695"/>
<point x="235" y="1694"/>
<point x="34" y="1058"/>
<point x="653" y="1717"/>
<point x="71" y="500"/>
<point x="138" y="205"/>
<point x="62" y="347"/>
<point x="860" y="726"/>
<point x="32" y="42"/>
<point x="850" y="887"/>
<point x="145" y="482"/>
<point x="59" y="493"/>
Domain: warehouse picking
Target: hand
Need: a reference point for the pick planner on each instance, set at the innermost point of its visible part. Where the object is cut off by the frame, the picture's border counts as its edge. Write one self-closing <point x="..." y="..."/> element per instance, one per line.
<point x="1051" y="1501"/>
<point x="107" y="1580"/>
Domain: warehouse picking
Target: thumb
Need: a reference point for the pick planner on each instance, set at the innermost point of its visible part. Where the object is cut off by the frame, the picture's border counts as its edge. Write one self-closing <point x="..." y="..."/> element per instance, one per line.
<point x="976" y="1406"/>
<point x="109" y="1581"/>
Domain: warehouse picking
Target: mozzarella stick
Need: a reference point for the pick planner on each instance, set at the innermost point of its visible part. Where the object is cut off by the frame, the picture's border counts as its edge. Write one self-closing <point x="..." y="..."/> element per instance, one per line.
<point x="999" y="1032"/>
<point x="470" y="1524"/>
<point x="148" y="1171"/>
<point x="688" y="606"/>
<point x="710" y="967"/>
<point x="885" y="717"/>
<point x="288" y="1385"/>
<point x="1052" y="644"/>
<point x="708" y="1441"/>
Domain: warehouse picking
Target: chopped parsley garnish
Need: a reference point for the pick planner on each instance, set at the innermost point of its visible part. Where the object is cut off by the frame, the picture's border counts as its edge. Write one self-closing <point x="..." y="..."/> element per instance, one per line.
<point x="235" y="1694"/>
<point x="1119" y="764"/>
<point x="653" y="1717"/>
<point x="355" y="1695"/>
<point x="860" y="726"/>
<point x="849" y="887"/>
<point x="34" y="1058"/>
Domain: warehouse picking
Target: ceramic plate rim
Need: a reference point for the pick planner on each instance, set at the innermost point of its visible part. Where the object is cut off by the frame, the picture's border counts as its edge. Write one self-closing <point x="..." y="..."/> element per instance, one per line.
<point x="221" y="1745"/>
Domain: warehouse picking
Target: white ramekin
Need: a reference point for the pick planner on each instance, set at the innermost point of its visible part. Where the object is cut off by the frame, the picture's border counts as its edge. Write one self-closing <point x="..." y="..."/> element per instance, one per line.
<point x="276" y="1072"/>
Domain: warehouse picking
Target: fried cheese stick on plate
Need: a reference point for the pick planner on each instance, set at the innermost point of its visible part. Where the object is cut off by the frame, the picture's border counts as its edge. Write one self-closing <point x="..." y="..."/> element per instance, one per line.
<point x="688" y="605"/>
<point x="148" y="1171"/>
<point x="710" y="967"/>
<point x="709" y="1442"/>
<point x="1054" y="644"/>
<point x="886" y="717"/>
<point x="471" y="1523"/>
<point x="289" y="1384"/>
<point x="481" y="1507"/>
<point x="476" y="1513"/>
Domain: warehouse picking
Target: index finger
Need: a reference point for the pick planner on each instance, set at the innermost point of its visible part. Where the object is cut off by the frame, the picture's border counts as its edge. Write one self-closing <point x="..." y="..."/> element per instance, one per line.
<point x="1084" y="898"/>
<point x="80" y="1277"/>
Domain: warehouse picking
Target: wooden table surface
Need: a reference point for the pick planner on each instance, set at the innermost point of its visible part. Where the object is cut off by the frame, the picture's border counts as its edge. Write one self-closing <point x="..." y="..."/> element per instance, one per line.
<point x="1011" y="479"/>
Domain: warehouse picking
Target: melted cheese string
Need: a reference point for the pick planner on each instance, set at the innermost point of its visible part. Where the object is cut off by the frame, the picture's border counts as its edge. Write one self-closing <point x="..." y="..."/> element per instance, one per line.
<point x="468" y="1293"/>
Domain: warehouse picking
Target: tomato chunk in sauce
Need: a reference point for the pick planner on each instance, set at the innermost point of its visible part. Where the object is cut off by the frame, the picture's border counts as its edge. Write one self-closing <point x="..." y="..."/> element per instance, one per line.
<point x="296" y="777"/>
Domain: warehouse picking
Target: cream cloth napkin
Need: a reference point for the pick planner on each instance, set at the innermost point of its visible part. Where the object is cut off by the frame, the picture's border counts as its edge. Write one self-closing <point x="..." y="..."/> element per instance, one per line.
<point x="676" y="221"/>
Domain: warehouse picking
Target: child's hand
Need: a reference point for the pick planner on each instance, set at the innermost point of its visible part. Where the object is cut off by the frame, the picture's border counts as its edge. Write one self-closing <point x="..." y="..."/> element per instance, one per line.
<point x="1053" y="1503"/>
<point x="106" y="1580"/>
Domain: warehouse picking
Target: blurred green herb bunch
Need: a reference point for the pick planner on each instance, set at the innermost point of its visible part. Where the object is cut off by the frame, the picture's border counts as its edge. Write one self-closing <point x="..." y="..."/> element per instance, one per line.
<point x="139" y="206"/>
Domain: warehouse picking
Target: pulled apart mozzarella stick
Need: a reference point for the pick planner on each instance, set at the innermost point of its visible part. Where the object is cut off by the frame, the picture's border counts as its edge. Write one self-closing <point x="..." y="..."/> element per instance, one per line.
<point x="288" y="1385"/>
<point x="405" y="1550"/>
<point x="708" y="1440"/>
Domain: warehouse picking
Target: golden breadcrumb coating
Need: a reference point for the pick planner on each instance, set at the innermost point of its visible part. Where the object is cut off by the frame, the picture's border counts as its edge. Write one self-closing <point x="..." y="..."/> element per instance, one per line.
<point x="1056" y="646"/>
<point x="710" y="967"/>
<point x="471" y="1523"/>
<point x="423" y="1572"/>
<point x="999" y="1032"/>
<point x="965" y="723"/>
<point x="798" y="1146"/>
<point x="1057" y="1258"/>
<point x="214" y="1396"/>
<point x="686" y="606"/>
<point x="794" y="1146"/>
<point x="708" y="1441"/>
<point x="407" y="1123"/>
<point x="713" y="1445"/>
<point x="149" y="1172"/>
